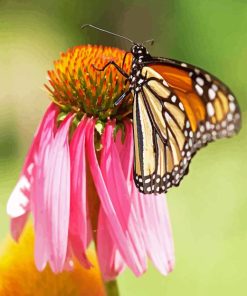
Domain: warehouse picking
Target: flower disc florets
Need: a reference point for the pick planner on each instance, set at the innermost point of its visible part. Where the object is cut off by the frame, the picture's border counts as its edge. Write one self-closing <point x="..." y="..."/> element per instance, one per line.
<point x="76" y="85"/>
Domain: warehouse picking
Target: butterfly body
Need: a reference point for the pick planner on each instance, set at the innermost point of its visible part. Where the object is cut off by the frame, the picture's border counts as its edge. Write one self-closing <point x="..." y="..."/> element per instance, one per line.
<point x="136" y="77"/>
<point x="177" y="109"/>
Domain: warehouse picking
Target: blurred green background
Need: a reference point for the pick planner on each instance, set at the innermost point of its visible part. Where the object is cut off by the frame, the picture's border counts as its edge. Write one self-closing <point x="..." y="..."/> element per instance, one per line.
<point x="209" y="209"/>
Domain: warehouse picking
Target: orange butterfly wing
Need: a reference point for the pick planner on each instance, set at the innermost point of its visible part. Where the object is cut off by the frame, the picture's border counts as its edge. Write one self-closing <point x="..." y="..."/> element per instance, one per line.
<point x="209" y="104"/>
<point x="178" y="110"/>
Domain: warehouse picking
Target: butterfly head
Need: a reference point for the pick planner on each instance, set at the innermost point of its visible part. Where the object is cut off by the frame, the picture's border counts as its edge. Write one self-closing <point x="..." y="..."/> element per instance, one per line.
<point x="139" y="51"/>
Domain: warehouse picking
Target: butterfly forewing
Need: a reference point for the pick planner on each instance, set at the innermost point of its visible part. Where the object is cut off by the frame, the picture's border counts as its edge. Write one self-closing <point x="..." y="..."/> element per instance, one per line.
<point x="210" y="105"/>
<point x="162" y="149"/>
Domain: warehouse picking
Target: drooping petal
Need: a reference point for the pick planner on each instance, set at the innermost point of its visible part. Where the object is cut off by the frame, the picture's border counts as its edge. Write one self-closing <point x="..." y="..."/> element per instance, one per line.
<point x="69" y="263"/>
<point x="156" y="228"/>
<point x="112" y="197"/>
<point x="18" y="203"/>
<point x="57" y="189"/>
<point x="18" y="206"/>
<point x="78" y="227"/>
<point x="110" y="261"/>
<point x="115" y="179"/>
<point x="126" y="151"/>
<point x="17" y="225"/>
<point x="151" y="210"/>
<point x="38" y="194"/>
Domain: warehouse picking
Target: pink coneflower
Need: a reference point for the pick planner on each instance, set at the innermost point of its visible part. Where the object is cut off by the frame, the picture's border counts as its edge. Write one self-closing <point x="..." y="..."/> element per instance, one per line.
<point x="77" y="179"/>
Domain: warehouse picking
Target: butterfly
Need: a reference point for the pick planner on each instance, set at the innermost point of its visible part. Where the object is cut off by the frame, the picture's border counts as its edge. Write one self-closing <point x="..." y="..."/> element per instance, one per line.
<point x="177" y="109"/>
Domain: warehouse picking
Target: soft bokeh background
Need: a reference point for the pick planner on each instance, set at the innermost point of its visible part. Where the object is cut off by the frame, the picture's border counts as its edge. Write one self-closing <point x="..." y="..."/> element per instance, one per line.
<point x="208" y="211"/>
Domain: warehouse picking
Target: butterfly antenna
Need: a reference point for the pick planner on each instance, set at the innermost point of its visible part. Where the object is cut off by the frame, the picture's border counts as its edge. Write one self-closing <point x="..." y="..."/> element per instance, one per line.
<point x="151" y="41"/>
<point x="108" y="32"/>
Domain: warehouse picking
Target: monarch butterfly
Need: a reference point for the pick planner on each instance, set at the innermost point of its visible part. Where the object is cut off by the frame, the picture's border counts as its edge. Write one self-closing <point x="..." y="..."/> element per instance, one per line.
<point x="178" y="108"/>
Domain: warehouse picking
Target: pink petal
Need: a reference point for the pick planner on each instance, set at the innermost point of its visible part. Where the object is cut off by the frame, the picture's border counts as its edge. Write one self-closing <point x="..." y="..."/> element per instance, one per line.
<point x="155" y="224"/>
<point x="114" y="197"/>
<point x="115" y="179"/>
<point x="57" y="191"/>
<point x="89" y="231"/>
<point x="151" y="210"/>
<point x="78" y="228"/>
<point x="110" y="260"/>
<point x="126" y="152"/>
<point x="69" y="264"/>
<point x="17" y="225"/>
<point x="38" y="195"/>
<point x="18" y="205"/>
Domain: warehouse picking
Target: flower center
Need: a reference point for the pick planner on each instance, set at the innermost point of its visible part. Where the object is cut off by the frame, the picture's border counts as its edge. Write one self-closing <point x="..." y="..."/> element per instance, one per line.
<point x="75" y="83"/>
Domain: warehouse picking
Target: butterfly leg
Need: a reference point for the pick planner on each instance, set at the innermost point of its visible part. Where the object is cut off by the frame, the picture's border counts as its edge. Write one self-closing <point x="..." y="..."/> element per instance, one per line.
<point x="120" y="70"/>
<point x="125" y="55"/>
<point x="124" y="95"/>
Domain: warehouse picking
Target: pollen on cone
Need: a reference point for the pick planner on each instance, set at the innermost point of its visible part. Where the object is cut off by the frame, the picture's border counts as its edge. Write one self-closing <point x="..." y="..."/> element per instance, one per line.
<point x="77" y="81"/>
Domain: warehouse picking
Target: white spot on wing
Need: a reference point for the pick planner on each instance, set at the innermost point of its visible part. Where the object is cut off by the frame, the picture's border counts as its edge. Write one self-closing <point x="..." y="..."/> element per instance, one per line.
<point x="214" y="87"/>
<point x="231" y="127"/>
<point x="173" y="99"/>
<point x="208" y="77"/>
<point x="181" y="106"/>
<point x="208" y="125"/>
<point x="231" y="97"/>
<point x="199" y="89"/>
<point x="147" y="181"/>
<point x="223" y="123"/>
<point x="165" y="83"/>
<point x="200" y="81"/>
<point x="211" y="94"/>
<point x="202" y="128"/>
<point x="232" y="107"/>
<point x="188" y="154"/>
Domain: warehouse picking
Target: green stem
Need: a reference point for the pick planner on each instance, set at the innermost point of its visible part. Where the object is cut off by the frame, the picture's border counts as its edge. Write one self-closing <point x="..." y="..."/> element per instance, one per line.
<point x="112" y="288"/>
